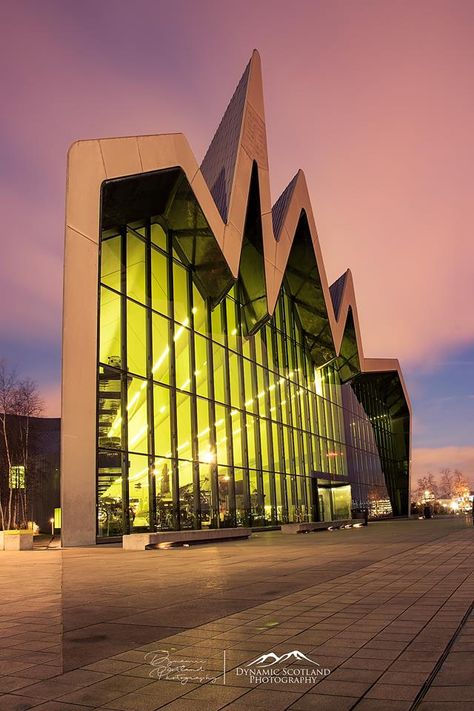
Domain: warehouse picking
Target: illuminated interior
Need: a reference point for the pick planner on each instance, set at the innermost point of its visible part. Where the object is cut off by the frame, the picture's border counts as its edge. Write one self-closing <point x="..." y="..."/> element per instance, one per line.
<point x="200" y="425"/>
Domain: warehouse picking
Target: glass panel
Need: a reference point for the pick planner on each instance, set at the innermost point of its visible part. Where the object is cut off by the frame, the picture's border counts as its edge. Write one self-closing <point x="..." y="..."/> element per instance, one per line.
<point x="226" y="517"/>
<point x="138" y="492"/>
<point x="208" y="505"/>
<point x="162" y="421"/>
<point x="109" y="409"/>
<point x="201" y="373"/>
<point x="136" y="338"/>
<point x="250" y="404"/>
<point x="267" y="496"/>
<point x="206" y="453"/>
<point x="256" y="500"/>
<point x="110" y="322"/>
<point x="264" y="445"/>
<point x="250" y="432"/>
<point x="241" y="496"/>
<point x="221" y="437"/>
<point x="109" y="493"/>
<point x="161" y="349"/>
<point x="341" y="502"/>
<point x="237" y="438"/>
<point x="137" y="416"/>
<point x="162" y="472"/>
<point x="217" y="325"/>
<point x="234" y="379"/>
<point x="199" y="312"/>
<point x="158" y="236"/>
<point x="183" y="407"/>
<point x="159" y="282"/>
<point x="232" y="331"/>
<point x="219" y="372"/>
<point x="135" y="268"/>
<point x="110" y="258"/>
<point x="325" y="504"/>
<point x="180" y="289"/>
<point x="186" y="494"/>
<point x="182" y="358"/>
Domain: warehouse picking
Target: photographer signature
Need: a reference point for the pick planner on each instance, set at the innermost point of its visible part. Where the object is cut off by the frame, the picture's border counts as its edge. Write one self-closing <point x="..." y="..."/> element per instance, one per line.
<point x="182" y="670"/>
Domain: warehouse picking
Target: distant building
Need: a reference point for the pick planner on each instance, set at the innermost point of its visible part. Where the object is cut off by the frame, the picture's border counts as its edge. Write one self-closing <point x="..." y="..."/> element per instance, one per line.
<point x="211" y="377"/>
<point x="39" y="479"/>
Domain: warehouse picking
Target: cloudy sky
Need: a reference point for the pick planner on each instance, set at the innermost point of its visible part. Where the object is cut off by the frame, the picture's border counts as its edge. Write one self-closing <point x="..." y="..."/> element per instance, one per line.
<point x="374" y="100"/>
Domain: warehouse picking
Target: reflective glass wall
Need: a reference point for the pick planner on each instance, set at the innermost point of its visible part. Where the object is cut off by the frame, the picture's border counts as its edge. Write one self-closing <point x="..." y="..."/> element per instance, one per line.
<point x="369" y="490"/>
<point x="199" y="426"/>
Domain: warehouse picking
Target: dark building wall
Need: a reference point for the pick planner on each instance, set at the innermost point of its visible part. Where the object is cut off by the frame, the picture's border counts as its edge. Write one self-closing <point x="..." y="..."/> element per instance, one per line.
<point x="42" y="471"/>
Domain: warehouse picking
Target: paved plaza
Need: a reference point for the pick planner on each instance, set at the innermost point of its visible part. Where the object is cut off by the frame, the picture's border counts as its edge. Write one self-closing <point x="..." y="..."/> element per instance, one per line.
<point x="380" y="618"/>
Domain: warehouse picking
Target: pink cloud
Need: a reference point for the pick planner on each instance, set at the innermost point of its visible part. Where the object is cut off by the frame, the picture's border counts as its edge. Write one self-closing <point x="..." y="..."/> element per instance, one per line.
<point x="373" y="101"/>
<point x="432" y="460"/>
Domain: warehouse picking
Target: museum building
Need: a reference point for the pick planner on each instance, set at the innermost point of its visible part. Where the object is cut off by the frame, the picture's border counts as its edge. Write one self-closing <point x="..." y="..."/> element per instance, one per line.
<point x="211" y="376"/>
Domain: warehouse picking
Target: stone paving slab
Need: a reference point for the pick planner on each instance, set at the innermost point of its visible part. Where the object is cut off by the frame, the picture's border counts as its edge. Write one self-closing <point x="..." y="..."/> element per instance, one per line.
<point x="378" y="607"/>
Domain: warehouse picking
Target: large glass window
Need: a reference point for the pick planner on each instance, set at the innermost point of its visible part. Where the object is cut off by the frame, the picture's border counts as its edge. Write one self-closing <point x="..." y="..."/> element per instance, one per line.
<point x="199" y="425"/>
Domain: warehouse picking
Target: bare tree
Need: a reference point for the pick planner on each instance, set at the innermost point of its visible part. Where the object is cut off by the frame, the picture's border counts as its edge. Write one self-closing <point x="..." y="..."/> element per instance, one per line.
<point x="19" y="402"/>
<point x="461" y="485"/>
<point x="446" y="484"/>
<point x="427" y="488"/>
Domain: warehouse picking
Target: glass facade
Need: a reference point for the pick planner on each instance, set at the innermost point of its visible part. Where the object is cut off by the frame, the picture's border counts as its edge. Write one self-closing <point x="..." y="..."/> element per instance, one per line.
<point x="200" y="426"/>
<point x="369" y="490"/>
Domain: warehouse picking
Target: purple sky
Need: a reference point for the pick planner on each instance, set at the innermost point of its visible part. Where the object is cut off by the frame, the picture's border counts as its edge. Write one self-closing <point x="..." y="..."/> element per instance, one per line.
<point x="373" y="100"/>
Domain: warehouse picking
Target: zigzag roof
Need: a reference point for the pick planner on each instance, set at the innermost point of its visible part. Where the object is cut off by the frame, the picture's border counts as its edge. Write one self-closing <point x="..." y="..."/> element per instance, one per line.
<point x="290" y="246"/>
<point x="234" y="158"/>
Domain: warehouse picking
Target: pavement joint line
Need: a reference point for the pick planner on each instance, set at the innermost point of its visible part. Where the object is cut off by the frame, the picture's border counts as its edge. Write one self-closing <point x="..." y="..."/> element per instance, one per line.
<point x="365" y="577"/>
<point x="440" y="563"/>
<point x="422" y="629"/>
<point x="402" y="553"/>
<point x="426" y="686"/>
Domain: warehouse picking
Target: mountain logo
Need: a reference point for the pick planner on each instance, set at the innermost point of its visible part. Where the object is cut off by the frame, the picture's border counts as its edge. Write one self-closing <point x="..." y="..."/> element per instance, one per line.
<point x="270" y="659"/>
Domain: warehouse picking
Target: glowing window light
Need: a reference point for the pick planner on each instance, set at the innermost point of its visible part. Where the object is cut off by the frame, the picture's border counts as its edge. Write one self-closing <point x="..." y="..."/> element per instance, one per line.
<point x="17" y="477"/>
<point x="249" y="402"/>
<point x="138" y="436"/>
<point x="133" y="401"/>
<point x="180" y="330"/>
<point x="318" y="381"/>
<point x="208" y="457"/>
<point x="138" y="474"/>
<point x="160" y="360"/>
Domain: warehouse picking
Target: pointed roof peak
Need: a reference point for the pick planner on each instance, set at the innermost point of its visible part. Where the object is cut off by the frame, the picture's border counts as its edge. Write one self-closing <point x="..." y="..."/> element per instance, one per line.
<point x="336" y="290"/>
<point x="280" y="207"/>
<point x="218" y="164"/>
